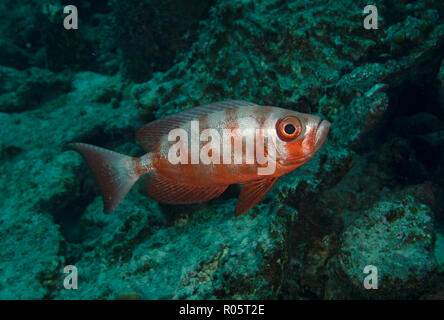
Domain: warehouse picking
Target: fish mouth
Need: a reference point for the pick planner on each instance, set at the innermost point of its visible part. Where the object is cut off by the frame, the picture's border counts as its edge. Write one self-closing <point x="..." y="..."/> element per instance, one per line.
<point x="321" y="133"/>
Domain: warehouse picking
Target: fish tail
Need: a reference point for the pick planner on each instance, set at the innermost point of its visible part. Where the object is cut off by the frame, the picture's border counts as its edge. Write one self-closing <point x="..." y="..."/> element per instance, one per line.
<point x="115" y="173"/>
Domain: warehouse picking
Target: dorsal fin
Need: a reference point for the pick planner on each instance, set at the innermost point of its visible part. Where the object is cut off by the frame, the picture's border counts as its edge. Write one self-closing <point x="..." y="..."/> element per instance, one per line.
<point x="164" y="190"/>
<point x="150" y="133"/>
<point x="251" y="193"/>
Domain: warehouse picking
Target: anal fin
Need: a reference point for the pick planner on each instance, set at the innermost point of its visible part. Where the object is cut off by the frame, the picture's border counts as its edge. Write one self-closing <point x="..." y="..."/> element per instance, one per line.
<point x="168" y="191"/>
<point x="251" y="193"/>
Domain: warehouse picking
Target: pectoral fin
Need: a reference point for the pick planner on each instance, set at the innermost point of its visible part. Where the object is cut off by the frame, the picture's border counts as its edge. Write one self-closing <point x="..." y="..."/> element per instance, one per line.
<point x="251" y="193"/>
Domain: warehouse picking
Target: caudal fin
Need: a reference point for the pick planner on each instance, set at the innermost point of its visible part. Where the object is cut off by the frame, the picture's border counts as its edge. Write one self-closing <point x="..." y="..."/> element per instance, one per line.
<point x="115" y="173"/>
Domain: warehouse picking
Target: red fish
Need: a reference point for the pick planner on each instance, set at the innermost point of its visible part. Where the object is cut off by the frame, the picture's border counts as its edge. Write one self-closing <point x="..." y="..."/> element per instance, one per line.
<point x="194" y="155"/>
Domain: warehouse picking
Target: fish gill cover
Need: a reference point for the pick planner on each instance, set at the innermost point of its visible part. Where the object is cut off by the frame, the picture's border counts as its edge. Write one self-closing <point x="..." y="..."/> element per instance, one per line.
<point x="372" y="196"/>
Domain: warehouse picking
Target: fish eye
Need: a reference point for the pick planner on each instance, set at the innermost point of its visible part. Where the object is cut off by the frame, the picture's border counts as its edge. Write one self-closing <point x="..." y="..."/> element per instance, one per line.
<point x="288" y="128"/>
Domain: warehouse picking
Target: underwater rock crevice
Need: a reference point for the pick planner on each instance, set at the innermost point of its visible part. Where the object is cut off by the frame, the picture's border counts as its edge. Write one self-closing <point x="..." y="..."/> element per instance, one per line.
<point x="68" y="206"/>
<point x="69" y="215"/>
<point x="412" y="125"/>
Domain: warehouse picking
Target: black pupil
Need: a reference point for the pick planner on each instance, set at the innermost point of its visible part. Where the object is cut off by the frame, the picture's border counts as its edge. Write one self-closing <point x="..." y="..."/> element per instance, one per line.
<point x="289" y="128"/>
